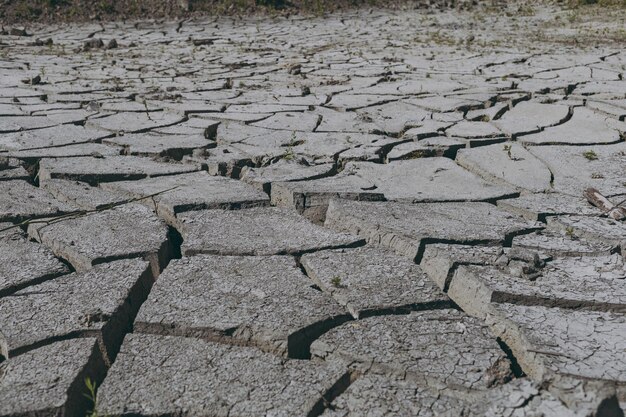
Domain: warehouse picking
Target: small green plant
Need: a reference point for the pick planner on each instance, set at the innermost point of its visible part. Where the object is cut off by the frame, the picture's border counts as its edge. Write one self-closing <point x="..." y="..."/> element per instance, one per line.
<point x="277" y="4"/>
<point x="106" y="7"/>
<point x="420" y="153"/>
<point x="336" y="281"/>
<point x="569" y="231"/>
<point x="526" y="10"/>
<point x="590" y="155"/>
<point x="26" y="11"/>
<point x="92" y="396"/>
<point x="289" y="154"/>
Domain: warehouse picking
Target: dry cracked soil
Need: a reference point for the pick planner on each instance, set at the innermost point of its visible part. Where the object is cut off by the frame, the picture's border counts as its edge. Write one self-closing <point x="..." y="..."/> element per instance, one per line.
<point x="374" y="213"/>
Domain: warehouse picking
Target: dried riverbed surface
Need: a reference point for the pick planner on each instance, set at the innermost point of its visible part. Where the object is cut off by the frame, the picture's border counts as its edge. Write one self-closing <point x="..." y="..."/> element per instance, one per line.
<point x="365" y="214"/>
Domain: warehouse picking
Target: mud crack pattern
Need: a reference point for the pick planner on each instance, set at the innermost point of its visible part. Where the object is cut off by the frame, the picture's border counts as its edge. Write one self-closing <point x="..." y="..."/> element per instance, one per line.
<point x="367" y="214"/>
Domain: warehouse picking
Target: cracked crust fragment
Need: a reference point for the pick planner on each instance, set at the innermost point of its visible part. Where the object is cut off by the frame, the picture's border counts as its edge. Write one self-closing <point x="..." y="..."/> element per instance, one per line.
<point x="264" y="301"/>
<point x="442" y="348"/>
<point x="50" y="380"/>
<point x="407" y="228"/>
<point x="164" y="375"/>
<point x="371" y="280"/>
<point x="100" y="303"/>
<point x="553" y="343"/>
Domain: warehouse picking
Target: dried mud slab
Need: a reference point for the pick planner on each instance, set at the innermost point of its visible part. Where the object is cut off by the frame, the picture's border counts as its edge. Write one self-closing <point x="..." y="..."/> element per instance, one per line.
<point x="441" y="348"/>
<point x="588" y="283"/>
<point x="68" y="151"/>
<point x="256" y="231"/>
<point x="160" y="145"/>
<point x="50" y="137"/>
<point x="551" y="342"/>
<point x="262" y="301"/>
<point x="411" y="181"/>
<point x="133" y="122"/>
<point x="379" y="395"/>
<point x="108" y="168"/>
<point x="190" y="192"/>
<point x="528" y="117"/>
<point x="193" y="377"/>
<point x="99" y="303"/>
<point x="127" y="231"/>
<point x="50" y="380"/>
<point x="576" y="168"/>
<point x="406" y="228"/>
<point x="281" y="171"/>
<point x="20" y="201"/>
<point x="82" y="195"/>
<point x="371" y="280"/>
<point x="595" y="229"/>
<point x="315" y="200"/>
<point x="559" y="244"/>
<point x="540" y="206"/>
<point x="586" y="127"/>
<point x="24" y="263"/>
<point x="509" y="164"/>
<point x="440" y="261"/>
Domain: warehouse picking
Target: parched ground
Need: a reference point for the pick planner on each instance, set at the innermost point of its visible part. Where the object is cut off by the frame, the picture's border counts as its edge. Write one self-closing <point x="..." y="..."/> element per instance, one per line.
<point x="367" y="214"/>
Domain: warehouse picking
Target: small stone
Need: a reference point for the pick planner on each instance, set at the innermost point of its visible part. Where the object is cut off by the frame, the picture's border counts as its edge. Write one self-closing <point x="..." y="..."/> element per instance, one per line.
<point x="93" y="43"/>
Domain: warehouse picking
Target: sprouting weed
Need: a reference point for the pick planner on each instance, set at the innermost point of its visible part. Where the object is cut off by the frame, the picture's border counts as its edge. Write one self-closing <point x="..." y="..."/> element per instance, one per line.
<point x="590" y="155"/>
<point x="92" y="396"/>
<point x="289" y="154"/>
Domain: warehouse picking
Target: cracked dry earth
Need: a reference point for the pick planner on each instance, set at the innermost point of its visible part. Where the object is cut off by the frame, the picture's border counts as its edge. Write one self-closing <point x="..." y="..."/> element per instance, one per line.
<point x="345" y="216"/>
